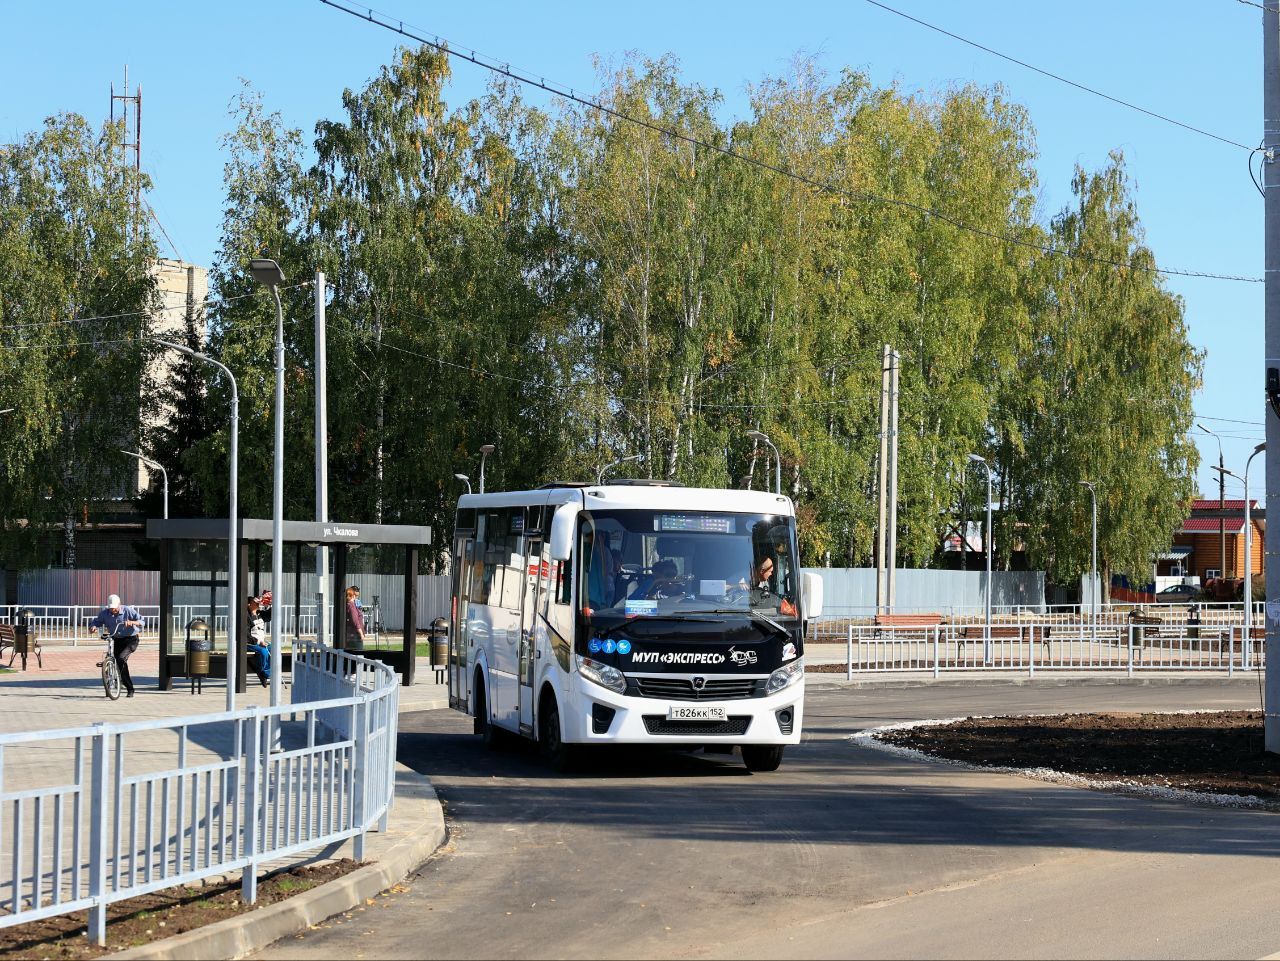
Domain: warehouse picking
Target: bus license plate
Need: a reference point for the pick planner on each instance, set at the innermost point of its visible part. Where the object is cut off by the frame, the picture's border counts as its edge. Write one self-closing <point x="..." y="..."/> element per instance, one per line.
<point x="697" y="714"/>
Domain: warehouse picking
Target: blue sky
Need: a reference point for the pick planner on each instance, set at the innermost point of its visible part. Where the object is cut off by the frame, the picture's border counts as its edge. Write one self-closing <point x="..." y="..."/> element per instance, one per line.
<point x="1198" y="61"/>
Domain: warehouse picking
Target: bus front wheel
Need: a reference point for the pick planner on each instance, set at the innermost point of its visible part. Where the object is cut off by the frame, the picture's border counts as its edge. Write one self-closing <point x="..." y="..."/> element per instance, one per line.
<point x="562" y="757"/>
<point x="762" y="757"/>
<point x="490" y="736"/>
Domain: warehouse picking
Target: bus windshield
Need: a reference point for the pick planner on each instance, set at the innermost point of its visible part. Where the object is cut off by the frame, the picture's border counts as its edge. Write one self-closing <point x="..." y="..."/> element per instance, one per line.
<point x="655" y="562"/>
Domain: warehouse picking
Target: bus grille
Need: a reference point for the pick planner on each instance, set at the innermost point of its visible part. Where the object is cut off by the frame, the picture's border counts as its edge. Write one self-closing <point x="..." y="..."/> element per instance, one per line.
<point x="682" y="689"/>
<point x="657" y="724"/>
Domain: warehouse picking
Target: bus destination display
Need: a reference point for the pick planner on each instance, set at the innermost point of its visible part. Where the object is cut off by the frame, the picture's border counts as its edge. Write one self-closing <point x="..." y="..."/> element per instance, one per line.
<point x="701" y="523"/>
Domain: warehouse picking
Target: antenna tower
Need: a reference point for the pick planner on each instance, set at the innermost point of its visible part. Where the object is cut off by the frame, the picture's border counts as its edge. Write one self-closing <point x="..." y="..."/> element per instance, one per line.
<point x="133" y="146"/>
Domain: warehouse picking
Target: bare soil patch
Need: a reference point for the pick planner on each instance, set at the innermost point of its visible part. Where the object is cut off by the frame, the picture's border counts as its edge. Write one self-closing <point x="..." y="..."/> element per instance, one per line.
<point x="1213" y="753"/>
<point x="151" y="917"/>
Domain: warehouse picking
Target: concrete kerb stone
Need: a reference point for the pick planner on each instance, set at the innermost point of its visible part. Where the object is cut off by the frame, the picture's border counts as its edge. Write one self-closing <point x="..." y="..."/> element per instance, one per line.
<point x="417" y="812"/>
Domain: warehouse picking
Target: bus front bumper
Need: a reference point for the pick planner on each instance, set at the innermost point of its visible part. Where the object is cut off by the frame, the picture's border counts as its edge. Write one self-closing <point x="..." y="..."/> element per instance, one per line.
<point x="773" y="719"/>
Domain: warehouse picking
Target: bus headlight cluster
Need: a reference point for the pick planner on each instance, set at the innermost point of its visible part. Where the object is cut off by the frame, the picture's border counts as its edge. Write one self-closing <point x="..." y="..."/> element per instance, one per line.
<point x="785" y="676"/>
<point x="602" y="674"/>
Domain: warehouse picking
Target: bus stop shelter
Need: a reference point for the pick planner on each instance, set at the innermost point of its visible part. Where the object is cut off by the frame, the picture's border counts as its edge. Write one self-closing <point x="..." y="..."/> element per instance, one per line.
<point x="193" y="587"/>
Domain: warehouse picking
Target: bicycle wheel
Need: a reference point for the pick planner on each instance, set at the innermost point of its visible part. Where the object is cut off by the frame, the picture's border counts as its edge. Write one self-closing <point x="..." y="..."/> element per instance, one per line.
<point x="111" y="678"/>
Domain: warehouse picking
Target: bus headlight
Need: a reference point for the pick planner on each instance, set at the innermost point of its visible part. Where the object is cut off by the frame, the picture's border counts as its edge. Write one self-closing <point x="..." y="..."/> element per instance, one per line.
<point x="602" y="674"/>
<point x="785" y="676"/>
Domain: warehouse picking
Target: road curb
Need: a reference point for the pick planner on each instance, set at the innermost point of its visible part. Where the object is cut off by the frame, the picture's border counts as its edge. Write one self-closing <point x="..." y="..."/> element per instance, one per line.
<point x="417" y="812"/>
<point x="821" y="681"/>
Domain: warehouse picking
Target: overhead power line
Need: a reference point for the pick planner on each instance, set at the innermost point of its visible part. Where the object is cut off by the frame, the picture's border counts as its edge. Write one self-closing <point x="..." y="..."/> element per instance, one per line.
<point x="568" y="93"/>
<point x="1058" y="77"/>
<point x="207" y="302"/>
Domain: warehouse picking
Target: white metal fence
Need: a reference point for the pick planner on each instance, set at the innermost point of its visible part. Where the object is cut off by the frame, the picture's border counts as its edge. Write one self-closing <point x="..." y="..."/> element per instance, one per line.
<point x="120" y="810"/>
<point x="1032" y="646"/>
<point x="57" y="624"/>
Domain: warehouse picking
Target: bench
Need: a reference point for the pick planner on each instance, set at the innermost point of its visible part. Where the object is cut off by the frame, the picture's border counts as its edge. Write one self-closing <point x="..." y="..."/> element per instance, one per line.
<point x="1002" y="632"/>
<point x="894" y="625"/>
<point x="907" y="620"/>
<point x="1149" y="628"/>
<point x="9" y="640"/>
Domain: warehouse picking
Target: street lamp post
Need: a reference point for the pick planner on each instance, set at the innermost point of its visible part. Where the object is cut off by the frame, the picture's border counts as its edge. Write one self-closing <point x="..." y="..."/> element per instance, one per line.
<point x="777" y="458"/>
<point x="986" y="631"/>
<point x="1222" y="501"/>
<point x="608" y="467"/>
<point x="485" y="451"/>
<point x="268" y="274"/>
<point x="1248" y="535"/>
<point x="1093" y="564"/>
<point x="465" y="479"/>
<point x="1248" y="544"/>
<point x="163" y="473"/>
<point x="233" y="546"/>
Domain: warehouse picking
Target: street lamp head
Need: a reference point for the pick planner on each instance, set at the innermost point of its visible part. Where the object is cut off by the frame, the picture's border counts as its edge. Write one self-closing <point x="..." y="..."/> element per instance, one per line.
<point x="758" y="435"/>
<point x="266" y="272"/>
<point x="461" y="477"/>
<point x="7" y="410"/>
<point x="486" y="448"/>
<point x="1257" y="450"/>
<point x="977" y="459"/>
<point x="1088" y="484"/>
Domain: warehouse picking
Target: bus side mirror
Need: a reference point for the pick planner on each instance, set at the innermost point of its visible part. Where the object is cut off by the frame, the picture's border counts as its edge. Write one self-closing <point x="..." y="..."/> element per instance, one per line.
<point x="811" y="589"/>
<point x="562" y="524"/>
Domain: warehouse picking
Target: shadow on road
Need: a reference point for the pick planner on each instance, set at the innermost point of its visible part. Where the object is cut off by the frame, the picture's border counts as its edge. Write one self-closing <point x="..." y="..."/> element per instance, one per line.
<point x="828" y="792"/>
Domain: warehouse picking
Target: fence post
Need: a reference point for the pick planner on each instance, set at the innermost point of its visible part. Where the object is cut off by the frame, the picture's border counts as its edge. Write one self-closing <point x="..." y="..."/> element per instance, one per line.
<point x="1031" y="646"/>
<point x="937" y="630"/>
<point x="252" y="750"/>
<point x="360" y="758"/>
<point x="848" y="667"/>
<point x="1131" y="650"/>
<point x="98" y="837"/>
<point x="1231" y="653"/>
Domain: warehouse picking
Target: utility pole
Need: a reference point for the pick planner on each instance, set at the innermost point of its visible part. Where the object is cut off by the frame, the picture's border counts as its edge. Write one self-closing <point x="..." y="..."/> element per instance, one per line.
<point x="891" y="555"/>
<point x="882" y="485"/>
<point x="322" y="460"/>
<point x="1271" y="301"/>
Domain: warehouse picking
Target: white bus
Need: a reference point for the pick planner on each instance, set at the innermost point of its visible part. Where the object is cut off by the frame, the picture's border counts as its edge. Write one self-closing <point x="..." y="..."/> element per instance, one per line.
<point x="631" y="612"/>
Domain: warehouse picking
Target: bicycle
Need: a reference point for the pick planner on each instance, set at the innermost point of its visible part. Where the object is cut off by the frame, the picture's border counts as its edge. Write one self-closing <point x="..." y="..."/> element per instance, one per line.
<point x="110" y="669"/>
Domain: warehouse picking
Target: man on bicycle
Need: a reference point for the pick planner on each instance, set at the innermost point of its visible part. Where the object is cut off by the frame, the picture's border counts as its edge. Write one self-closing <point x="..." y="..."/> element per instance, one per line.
<point x="121" y="623"/>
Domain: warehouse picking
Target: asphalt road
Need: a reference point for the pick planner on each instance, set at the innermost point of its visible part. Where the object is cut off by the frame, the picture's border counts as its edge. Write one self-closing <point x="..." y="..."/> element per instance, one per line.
<point x="844" y="852"/>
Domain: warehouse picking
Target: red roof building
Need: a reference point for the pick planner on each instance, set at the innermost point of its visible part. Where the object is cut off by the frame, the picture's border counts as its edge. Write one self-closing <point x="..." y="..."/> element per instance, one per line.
<point x="1198" y="547"/>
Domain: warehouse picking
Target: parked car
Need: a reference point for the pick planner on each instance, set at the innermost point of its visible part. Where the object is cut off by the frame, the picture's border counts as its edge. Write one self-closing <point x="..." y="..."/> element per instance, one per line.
<point x="1178" y="594"/>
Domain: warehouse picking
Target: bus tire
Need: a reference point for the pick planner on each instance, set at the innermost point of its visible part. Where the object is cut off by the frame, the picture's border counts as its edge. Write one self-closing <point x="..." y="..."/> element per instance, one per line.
<point x="562" y="757"/>
<point x="762" y="757"/>
<point x="490" y="736"/>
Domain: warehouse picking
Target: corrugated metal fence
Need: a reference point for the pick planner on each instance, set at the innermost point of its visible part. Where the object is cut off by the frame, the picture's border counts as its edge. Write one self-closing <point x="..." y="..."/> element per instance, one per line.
<point x="852" y="590"/>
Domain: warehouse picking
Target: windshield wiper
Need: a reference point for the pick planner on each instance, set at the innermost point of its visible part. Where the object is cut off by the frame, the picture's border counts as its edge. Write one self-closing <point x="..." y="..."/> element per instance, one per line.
<point x="754" y="615"/>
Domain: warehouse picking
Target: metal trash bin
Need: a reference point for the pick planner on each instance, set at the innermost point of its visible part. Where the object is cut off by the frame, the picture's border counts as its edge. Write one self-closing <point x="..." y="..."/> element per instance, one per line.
<point x="25" y="641"/>
<point x="439" y="646"/>
<point x="199" y="646"/>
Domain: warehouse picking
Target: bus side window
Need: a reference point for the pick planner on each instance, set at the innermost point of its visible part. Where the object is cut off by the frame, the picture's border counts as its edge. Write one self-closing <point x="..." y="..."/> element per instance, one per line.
<point x="564" y="584"/>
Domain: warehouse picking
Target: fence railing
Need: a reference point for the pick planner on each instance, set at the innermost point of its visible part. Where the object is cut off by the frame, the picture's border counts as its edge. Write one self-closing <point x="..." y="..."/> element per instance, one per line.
<point x="1047" y="646"/>
<point x="66" y="624"/>
<point x="113" y="811"/>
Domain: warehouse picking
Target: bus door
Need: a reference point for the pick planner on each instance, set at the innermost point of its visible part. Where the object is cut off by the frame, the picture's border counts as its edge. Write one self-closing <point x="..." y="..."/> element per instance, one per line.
<point x="532" y="635"/>
<point x="459" y="632"/>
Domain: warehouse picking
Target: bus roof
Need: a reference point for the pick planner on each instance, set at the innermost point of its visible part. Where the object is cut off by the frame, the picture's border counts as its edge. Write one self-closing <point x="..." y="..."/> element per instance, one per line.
<point x="623" y="496"/>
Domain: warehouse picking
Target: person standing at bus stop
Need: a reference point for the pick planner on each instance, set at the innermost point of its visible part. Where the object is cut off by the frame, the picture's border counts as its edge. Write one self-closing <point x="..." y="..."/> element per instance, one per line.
<point x="354" y="634"/>
<point x="121" y="623"/>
